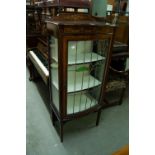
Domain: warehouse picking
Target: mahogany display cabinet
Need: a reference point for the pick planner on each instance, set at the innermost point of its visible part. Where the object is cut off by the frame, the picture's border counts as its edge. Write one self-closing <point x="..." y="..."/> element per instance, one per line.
<point x="79" y="56"/>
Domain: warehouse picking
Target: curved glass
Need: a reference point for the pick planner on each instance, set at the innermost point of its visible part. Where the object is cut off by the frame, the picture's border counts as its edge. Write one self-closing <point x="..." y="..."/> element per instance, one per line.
<point x="54" y="71"/>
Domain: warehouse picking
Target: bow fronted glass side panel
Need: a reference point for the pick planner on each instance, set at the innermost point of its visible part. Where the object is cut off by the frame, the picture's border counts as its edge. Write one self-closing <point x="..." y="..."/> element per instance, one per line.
<point x="54" y="71"/>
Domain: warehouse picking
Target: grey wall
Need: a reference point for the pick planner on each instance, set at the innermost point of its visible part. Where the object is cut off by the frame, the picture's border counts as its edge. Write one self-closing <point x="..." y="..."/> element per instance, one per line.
<point x="99" y="7"/>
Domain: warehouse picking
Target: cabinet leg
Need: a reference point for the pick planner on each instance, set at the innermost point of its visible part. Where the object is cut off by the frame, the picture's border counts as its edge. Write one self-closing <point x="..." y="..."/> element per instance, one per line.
<point x="98" y="117"/>
<point x="53" y="118"/>
<point x="31" y="78"/>
<point x="61" y="131"/>
<point x="30" y="68"/>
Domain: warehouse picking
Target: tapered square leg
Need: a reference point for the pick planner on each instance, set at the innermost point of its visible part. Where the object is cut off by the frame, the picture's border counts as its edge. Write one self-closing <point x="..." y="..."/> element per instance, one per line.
<point x="53" y="118"/>
<point x="98" y="117"/>
<point x="31" y="71"/>
<point x="61" y="131"/>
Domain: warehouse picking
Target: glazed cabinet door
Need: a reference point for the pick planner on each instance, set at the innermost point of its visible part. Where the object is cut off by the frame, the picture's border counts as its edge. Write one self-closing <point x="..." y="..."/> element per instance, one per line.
<point x="86" y="64"/>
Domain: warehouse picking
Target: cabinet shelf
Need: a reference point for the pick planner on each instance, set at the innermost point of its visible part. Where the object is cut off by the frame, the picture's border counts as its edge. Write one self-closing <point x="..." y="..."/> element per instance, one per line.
<point x="79" y="84"/>
<point x="84" y="58"/>
<point x="81" y="58"/>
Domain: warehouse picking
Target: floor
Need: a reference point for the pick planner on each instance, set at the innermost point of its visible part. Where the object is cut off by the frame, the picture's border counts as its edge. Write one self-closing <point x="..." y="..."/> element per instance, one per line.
<point x="81" y="137"/>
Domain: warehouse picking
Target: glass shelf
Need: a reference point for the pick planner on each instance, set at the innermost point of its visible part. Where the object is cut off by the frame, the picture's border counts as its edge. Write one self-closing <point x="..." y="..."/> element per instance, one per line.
<point x="79" y="77"/>
<point x="84" y="58"/>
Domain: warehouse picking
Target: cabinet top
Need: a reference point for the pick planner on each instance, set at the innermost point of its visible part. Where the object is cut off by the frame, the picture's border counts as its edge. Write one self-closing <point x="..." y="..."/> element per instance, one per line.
<point x="78" y="24"/>
<point x="77" y="20"/>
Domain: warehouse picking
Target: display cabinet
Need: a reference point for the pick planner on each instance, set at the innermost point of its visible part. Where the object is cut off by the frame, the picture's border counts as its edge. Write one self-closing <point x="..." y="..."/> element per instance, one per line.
<point x="79" y="56"/>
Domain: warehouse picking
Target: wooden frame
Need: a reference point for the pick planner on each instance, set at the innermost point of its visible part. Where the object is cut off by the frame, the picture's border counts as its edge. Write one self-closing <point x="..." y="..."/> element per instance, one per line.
<point x="75" y="31"/>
